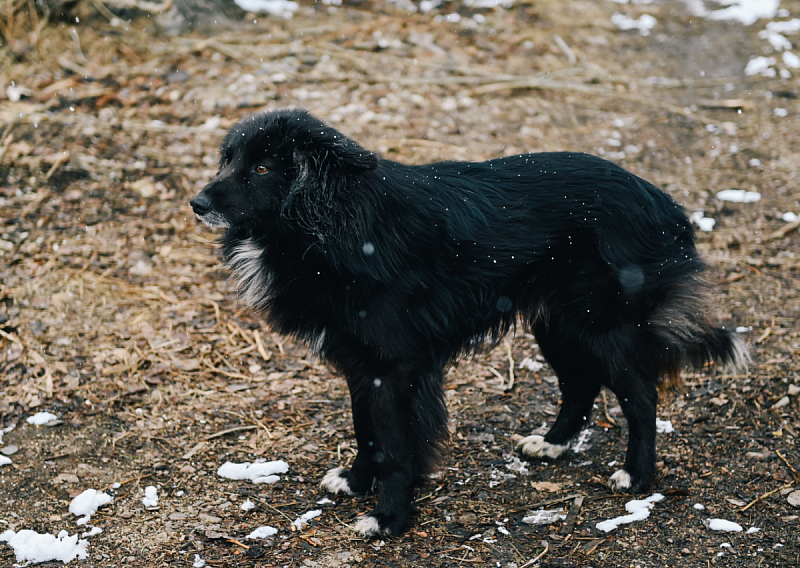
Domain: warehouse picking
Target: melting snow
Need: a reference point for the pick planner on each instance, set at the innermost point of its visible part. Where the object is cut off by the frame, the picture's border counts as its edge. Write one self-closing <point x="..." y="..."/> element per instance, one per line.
<point x="760" y="66"/>
<point x="150" y="498"/>
<point x="738" y="195"/>
<point x="262" y="532"/>
<point x="4" y="460"/>
<point x="247" y="505"/>
<point x="544" y="517"/>
<point x="86" y="504"/>
<point x="41" y="418"/>
<point x="303" y="519"/>
<point x="531" y="365"/>
<point x="263" y="472"/>
<point x="790" y="27"/>
<point x="703" y="223"/>
<point x="644" y="24"/>
<point x="664" y="426"/>
<point x="276" y="7"/>
<point x="638" y="509"/>
<point x="747" y="12"/>
<point x="30" y="546"/>
<point x="722" y="525"/>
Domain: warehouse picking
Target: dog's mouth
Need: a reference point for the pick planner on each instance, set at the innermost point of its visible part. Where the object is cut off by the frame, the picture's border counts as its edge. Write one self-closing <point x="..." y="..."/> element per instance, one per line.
<point x="213" y="219"/>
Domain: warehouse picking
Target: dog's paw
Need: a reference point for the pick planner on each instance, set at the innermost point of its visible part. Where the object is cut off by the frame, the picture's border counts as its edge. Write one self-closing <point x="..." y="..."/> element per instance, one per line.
<point x="535" y="447"/>
<point x="368" y="526"/>
<point x="335" y="482"/>
<point x="620" y="482"/>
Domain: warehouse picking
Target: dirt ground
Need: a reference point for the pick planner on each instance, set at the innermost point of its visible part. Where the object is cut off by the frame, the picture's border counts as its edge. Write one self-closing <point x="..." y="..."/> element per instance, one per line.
<point x="116" y="315"/>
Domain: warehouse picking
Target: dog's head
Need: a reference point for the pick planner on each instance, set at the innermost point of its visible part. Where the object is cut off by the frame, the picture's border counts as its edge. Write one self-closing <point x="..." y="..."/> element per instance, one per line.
<point x="275" y="164"/>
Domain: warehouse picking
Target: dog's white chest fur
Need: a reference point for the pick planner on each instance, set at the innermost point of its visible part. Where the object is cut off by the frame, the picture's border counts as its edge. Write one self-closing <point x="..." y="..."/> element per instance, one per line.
<point x="253" y="278"/>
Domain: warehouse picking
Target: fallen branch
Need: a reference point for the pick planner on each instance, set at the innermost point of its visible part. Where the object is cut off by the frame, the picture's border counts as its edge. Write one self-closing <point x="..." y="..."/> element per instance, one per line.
<point x="572" y="516"/>
<point x="765" y="495"/>
<point x="538" y="556"/>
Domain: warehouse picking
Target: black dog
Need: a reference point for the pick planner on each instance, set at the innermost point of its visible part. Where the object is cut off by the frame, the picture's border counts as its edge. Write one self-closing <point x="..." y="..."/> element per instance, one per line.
<point x="391" y="271"/>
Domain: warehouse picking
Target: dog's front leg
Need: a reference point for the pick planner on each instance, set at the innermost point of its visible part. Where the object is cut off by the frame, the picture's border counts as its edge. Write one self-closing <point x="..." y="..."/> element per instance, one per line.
<point x="401" y="424"/>
<point x="360" y="477"/>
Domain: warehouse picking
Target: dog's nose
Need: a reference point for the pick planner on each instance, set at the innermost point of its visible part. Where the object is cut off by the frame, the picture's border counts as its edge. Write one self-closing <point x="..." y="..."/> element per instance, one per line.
<point x="200" y="205"/>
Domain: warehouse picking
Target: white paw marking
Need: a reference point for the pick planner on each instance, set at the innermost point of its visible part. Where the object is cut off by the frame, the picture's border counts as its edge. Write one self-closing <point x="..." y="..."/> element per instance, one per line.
<point x="335" y="483"/>
<point x="535" y="447"/>
<point x="367" y="526"/>
<point x="620" y="482"/>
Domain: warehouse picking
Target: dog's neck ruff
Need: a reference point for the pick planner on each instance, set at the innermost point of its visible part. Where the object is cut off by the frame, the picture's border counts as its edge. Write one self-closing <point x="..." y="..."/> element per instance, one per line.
<point x="252" y="277"/>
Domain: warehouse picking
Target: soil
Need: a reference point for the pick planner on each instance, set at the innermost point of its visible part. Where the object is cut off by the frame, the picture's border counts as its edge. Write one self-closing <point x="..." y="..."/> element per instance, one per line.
<point x="116" y="315"/>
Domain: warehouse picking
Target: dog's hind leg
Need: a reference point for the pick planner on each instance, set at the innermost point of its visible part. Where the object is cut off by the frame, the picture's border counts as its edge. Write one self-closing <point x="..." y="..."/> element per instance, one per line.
<point x="579" y="379"/>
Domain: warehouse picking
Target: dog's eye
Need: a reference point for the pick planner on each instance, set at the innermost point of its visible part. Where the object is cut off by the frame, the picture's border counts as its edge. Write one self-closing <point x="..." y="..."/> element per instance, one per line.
<point x="261" y="169"/>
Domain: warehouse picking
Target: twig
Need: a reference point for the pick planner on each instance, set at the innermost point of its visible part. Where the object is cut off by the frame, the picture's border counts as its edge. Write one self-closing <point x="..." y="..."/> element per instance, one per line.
<point x="538" y="556"/>
<point x="263" y="352"/>
<point x="562" y="45"/>
<point x="287" y="517"/>
<point x="546" y="503"/>
<point x="794" y="471"/>
<point x="783" y="231"/>
<point x="765" y="495"/>
<point x="234" y="541"/>
<point x="121" y="483"/>
<point x="510" y="367"/>
<point x="11" y="337"/>
<point x="230" y="431"/>
<point x="764" y="335"/>
<point x="605" y="410"/>
<point x="572" y="516"/>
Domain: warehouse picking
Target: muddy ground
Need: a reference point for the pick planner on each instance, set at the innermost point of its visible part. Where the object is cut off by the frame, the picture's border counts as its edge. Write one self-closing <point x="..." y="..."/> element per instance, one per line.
<point x="116" y="315"/>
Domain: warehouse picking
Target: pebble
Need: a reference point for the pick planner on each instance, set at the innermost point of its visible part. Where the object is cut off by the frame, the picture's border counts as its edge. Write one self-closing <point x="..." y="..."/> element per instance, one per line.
<point x="9" y="450"/>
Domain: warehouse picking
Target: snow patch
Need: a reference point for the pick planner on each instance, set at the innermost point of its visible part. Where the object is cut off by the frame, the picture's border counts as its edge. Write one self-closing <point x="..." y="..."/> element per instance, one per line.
<point x="738" y="196"/>
<point x="639" y="510"/>
<point x="644" y="23"/>
<point x="664" y="426"/>
<point x="4" y="460"/>
<point x="263" y="472"/>
<point x="262" y="532"/>
<point x="30" y="546"/>
<point x="86" y="504"/>
<point x="760" y="66"/>
<point x="747" y="12"/>
<point x="303" y="519"/>
<point x="41" y="418"/>
<point x="722" y="525"/>
<point x="284" y="8"/>
<point x="531" y="365"/>
<point x="150" y="498"/>
<point x="544" y="517"/>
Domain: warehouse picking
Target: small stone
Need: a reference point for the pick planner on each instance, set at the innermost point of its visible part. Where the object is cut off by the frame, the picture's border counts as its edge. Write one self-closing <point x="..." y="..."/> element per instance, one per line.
<point x="794" y="498"/>
<point x="781" y="403"/>
<point x="467" y="518"/>
<point x="793" y="390"/>
<point x="9" y="450"/>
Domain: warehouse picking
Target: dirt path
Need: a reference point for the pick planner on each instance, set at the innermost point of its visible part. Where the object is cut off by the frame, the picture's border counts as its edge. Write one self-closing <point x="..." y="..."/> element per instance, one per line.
<point x="115" y="314"/>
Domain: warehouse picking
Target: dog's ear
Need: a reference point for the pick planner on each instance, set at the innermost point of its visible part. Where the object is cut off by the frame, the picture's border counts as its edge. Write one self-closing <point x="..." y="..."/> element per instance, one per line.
<point x="328" y="152"/>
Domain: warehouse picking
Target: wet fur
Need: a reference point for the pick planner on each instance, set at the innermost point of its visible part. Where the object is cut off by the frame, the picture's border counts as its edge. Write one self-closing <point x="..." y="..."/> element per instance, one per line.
<point x="391" y="271"/>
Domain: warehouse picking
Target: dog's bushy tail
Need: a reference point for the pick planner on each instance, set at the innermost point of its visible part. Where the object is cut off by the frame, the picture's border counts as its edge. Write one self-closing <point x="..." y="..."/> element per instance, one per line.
<point x="692" y="339"/>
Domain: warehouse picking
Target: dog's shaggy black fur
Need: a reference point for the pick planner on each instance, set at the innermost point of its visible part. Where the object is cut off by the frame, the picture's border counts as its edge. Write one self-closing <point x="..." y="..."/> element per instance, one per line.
<point x="392" y="271"/>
